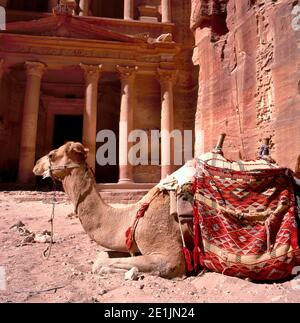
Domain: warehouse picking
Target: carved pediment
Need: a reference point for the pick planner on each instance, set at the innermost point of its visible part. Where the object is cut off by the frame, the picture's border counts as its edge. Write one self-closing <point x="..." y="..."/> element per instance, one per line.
<point x="69" y="27"/>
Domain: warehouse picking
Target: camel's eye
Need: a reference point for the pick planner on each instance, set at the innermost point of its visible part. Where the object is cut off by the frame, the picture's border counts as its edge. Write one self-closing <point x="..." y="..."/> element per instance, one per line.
<point x="50" y="156"/>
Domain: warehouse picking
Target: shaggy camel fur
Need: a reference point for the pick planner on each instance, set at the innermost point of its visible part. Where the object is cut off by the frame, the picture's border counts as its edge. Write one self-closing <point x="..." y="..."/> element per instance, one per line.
<point x="157" y="238"/>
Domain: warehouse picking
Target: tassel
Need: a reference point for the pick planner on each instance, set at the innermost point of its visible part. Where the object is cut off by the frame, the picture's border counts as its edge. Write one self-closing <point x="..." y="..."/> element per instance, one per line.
<point x="142" y="210"/>
<point x="188" y="259"/>
<point x="129" y="240"/>
<point x="196" y="238"/>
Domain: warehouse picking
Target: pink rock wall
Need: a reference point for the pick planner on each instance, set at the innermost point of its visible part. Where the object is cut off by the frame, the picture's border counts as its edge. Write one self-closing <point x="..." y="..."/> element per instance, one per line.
<point x="249" y="77"/>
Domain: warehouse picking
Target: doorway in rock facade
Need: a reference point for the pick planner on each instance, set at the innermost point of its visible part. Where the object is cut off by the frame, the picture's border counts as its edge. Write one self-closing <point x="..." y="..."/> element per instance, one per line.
<point x="67" y="128"/>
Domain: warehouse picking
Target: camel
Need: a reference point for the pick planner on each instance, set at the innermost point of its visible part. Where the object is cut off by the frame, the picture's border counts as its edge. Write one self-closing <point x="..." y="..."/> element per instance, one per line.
<point x="157" y="239"/>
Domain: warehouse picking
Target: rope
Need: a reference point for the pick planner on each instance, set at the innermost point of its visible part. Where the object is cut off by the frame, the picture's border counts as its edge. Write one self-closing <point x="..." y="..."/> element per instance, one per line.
<point x="181" y="231"/>
<point x="49" y="247"/>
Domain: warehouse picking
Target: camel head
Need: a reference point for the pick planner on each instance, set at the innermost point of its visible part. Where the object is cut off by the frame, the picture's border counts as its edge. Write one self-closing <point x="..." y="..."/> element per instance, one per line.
<point x="59" y="162"/>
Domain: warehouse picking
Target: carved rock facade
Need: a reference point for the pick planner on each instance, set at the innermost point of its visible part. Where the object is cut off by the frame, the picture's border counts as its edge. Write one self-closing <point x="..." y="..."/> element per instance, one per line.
<point x="248" y="58"/>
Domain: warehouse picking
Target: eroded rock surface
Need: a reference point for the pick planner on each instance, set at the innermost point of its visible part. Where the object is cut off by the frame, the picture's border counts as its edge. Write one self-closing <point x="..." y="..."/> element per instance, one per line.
<point x="248" y="56"/>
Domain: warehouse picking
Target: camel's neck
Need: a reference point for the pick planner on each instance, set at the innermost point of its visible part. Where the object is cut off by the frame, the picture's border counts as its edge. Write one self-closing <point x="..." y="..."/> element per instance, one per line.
<point x="103" y="223"/>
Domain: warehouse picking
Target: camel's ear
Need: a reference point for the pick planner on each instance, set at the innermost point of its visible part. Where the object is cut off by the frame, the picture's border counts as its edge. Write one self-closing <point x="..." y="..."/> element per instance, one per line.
<point x="79" y="149"/>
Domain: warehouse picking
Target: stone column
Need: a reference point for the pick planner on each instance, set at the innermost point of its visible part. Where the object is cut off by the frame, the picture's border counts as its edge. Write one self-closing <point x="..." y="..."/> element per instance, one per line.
<point x="84" y="6"/>
<point x="52" y="4"/>
<point x="127" y="76"/>
<point x="92" y="75"/>
<point x="128" y="9"/>
<point x="35" y="71"/>
<point x="167" y="79"/>
<point x="166" y="15"/>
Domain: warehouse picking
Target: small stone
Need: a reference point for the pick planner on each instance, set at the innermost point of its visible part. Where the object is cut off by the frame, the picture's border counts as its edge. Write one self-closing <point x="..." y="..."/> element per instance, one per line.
<point x="142" y="286"/>
<point x="102" y="292"/>
<point x="132" y="274"/>
<point x="42" y="238"/>
<point x="90" y="262"/>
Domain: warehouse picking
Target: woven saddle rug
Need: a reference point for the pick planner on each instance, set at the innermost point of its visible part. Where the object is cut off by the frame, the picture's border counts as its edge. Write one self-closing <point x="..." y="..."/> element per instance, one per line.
<point x="244" y="219"/>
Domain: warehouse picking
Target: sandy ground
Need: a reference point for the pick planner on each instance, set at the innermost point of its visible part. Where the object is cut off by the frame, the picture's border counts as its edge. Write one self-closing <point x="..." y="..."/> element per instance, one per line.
<point x="67" y="277"/>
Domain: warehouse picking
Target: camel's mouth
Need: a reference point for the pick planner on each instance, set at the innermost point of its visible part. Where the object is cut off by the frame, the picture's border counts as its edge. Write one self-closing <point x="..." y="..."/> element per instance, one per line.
<point x="38" y="171"/>
<point x="39" y="168"/>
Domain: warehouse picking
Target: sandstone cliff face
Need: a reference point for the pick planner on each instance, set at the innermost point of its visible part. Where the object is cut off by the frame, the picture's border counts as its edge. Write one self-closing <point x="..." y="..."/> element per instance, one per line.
<point x="249" y="77"/>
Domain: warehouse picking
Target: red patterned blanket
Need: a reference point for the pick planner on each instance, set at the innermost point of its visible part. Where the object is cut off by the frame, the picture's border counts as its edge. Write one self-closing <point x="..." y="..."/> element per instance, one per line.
<point x="245" y="222"/>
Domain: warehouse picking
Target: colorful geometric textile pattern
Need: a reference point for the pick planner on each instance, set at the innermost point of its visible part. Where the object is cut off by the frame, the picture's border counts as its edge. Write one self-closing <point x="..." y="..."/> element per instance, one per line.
<point x="245" y="222"/>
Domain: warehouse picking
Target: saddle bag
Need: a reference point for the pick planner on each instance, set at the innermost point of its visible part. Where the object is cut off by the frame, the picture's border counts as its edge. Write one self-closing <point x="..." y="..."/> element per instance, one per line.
<point x="245" y="222"/>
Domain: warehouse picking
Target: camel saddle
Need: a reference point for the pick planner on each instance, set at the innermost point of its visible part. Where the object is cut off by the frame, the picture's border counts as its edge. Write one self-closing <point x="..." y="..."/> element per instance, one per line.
<point x="245" y="218"/>
<point x="180" y="183"/>
<point x="244" y="215"/>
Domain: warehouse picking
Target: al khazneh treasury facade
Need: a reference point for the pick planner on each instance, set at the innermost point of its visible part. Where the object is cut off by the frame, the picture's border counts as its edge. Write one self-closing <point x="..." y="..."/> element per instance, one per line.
<point x="69" y="69"/>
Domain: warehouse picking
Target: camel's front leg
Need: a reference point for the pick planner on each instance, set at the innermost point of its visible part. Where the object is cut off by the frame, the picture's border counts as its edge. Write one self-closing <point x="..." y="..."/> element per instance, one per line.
<point x="164" y="266"/>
